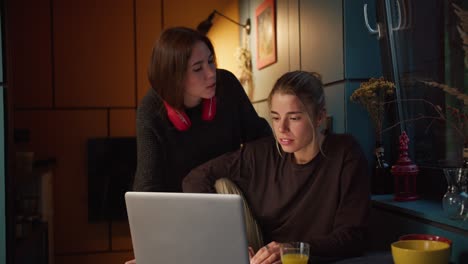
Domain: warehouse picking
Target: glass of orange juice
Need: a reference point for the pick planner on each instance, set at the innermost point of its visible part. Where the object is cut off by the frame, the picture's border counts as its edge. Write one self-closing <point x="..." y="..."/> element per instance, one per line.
<point x="294" y="253"/>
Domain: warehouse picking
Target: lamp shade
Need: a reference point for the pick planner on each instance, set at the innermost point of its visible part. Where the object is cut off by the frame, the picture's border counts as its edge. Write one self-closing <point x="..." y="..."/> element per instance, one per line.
<point x="206" y="24"/>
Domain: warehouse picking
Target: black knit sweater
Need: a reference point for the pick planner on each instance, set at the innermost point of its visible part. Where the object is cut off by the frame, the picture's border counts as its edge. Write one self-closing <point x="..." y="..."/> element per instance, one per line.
<point x="165" y="155"/>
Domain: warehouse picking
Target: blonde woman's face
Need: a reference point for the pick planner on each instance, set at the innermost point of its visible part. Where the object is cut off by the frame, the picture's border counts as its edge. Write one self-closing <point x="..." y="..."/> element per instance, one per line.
<point x="292" y="127"/>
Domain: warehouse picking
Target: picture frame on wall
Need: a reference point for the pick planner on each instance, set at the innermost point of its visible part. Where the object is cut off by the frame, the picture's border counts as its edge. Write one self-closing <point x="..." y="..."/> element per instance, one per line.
<point x="266" y="33"/>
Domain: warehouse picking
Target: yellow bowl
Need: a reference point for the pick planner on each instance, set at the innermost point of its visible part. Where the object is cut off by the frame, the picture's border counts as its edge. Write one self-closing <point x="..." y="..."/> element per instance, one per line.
<point x="420" y="252"/>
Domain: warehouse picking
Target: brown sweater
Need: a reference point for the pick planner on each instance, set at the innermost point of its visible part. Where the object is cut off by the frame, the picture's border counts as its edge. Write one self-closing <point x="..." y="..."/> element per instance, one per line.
<point x="325" y="202"/>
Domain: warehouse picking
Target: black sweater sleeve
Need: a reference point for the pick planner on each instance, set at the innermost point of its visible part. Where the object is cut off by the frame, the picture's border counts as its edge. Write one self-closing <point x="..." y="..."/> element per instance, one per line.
<point x="252" y="126"/>
<point x="150" y="148"/>
<point x="148" y="176"/>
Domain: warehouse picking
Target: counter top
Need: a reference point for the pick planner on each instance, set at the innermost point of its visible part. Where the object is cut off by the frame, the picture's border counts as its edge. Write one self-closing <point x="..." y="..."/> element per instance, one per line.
<point x="430" y="210"/>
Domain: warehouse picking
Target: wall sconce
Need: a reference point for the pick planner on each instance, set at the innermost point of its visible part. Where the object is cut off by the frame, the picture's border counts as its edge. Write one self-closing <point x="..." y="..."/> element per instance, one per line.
<point x="205" y="25"/>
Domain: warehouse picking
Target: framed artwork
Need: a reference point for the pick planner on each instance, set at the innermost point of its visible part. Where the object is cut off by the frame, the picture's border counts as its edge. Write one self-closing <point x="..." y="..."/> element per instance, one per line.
<point x="266" y="33"/>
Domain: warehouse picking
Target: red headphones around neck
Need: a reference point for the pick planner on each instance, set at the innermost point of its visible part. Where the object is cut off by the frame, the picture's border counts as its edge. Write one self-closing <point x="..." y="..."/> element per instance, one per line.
<point x="182" y="122"/>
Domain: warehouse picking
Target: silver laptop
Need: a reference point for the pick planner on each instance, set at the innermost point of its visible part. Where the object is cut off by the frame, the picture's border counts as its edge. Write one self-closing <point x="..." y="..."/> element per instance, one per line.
<point x="178" y="228"/>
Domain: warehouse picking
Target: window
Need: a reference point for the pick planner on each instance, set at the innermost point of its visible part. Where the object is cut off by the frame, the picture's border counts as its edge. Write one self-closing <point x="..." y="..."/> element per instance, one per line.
<point x="425" y="53"/>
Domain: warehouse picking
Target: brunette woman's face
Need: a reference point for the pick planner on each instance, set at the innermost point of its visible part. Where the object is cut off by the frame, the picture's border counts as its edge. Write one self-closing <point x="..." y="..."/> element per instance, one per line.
<point x="200" y="78"/>
<point x="292" y="126"/>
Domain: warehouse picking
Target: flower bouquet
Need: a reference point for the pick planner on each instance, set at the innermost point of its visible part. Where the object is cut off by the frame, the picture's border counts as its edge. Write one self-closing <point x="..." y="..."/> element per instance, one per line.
<point x="372" y="95"/>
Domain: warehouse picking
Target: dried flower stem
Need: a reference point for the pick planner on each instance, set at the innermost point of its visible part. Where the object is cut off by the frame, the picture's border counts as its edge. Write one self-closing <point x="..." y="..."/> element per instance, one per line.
<point x="440" y="116"/>
<point x="371" y="95"/>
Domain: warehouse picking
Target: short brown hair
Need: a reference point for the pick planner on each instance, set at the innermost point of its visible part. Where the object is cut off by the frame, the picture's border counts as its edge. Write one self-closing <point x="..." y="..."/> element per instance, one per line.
<point x="169" y="62"/>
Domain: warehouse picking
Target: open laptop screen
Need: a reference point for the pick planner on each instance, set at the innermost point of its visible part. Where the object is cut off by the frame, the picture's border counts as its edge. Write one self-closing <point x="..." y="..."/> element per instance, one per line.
<point x="187" y="228"/>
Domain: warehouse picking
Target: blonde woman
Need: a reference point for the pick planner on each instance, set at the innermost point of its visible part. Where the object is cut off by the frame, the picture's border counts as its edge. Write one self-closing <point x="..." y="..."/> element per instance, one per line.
<point x="301" y="185"/>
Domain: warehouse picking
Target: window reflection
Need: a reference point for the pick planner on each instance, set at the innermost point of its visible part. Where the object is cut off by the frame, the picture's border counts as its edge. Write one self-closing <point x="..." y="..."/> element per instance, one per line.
<point x="424" y="52"/>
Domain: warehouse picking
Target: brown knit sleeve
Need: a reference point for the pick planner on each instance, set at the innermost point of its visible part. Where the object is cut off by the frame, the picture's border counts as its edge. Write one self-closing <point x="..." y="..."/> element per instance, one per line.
<point x="203" y="178"/>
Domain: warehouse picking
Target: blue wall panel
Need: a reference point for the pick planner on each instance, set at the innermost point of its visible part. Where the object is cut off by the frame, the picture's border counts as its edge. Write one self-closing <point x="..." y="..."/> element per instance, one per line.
<point x="361" y="49"/>
<point x="2" y="181"/>
<point x="349" y="117"/>
<point x="321" y="38"/>
<point x="1" y="54"/>
<point x="334" y="96"/>
<point x="359" y="123"/>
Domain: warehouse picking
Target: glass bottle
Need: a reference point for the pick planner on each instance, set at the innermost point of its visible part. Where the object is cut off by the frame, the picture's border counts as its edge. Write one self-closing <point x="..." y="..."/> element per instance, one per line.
<point x="464" y="183"/>
<point x="465" y="156"/>
<point x="454" y="201"/>
<point x="381" y="180"/>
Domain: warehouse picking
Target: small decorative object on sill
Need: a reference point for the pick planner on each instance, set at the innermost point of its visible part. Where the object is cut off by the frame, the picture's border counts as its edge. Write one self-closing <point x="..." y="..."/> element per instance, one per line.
<point x="405" y="172"/>
<point x="381" y="180"/>
<point x="455" y="200"/>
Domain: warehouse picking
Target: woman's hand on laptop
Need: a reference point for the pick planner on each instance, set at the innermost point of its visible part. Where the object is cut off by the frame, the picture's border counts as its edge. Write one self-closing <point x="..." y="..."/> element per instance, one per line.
<point x="269" y="254"/>
<point x="133" y="261"/>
